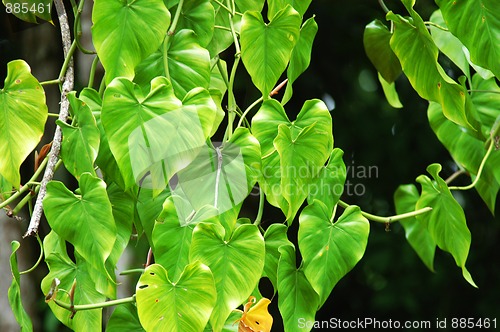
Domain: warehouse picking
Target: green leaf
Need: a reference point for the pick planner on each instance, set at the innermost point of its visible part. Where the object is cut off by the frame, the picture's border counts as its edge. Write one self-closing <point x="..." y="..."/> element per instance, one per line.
<point x="446" y="221"/>
<point x="126" y="32"/>
<point x="266" y="48"/>
<point x="414" y="47"/>
<point x="29" y="10"/>
<point x="236" y="264"/>
<point x="222" y="37"/>
<point x="417" y="232"/>
<point x="468" y="151"/>
<point x="62" y="267"/>
<point x="297" y="300"/>
<point x="85" y="220"/>
<point x="183" y="305"/>
<point x="5" y="189"/>
<point x="178" y="223"/>
<point x="477" y="24"/>
<point x="390" y="92"/>
<point x="301" y="55"/>
<point x="275" y="237"/>
<point x="376" y="40"/>
<point x="329" y="184"/>
<point x="14" y="293"/>
<point x="199" y="16"/>
<point x="80" y="143"/>
<point x="23" y="113"/>
<point x="447" y="43"/>
<point x="124" y="318"/>
<point x="274" y="6"/>
<point x="244" y="5"/>
<point x="156" y="133"/>
<point x="330" y="250"/>
<point x="188" y="65"/>
<point x="149" y="207"/>
<point x="486" y="99"/>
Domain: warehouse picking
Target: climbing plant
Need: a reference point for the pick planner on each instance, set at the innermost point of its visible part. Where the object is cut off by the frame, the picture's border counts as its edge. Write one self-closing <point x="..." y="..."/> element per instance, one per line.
<point x="141" y="146"/>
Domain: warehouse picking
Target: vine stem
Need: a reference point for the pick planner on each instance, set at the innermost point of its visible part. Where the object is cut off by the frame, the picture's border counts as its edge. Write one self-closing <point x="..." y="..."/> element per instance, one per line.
<point x="170" y="33"/>
<point x="390" y="219"/>
<point x="479" y="172"/>
<point x="91" y="306"/>
<point x="262" y="199"/>
<point x="454" y="176"/>
<point x="432" y="24"/>
<point x="476" y="90"/>
<point x="39" y="258"/>
<point x="67" y="86"/>
<point x="384" y="7"/>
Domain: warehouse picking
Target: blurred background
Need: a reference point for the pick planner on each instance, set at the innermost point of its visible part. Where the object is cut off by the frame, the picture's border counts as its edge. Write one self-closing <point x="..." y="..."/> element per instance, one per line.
<point x="390" y="282"/>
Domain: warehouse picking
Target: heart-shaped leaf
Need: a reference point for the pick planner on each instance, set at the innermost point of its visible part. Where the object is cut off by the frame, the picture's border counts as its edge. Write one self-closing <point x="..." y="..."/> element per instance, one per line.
<point x="183" y="305"/>
<point x="236" y="263"/>
<point x="23" y="113"/>
<point x="267" y="48"/>
<point x="330" y="249"/>
<point x="126" y="32"/>
<point x="446" y="221"/>
<point x="14" y="292"/>
<point x="199" y="16"/>
<point x="274" y="6"/>
<point x="275" y="237"/>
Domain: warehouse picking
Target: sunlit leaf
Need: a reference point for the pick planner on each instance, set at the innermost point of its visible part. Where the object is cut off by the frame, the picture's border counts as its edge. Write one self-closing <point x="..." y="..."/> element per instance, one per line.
<point x="126" y="32"/>
<point x="199" y="16"/>
<point x="14" y="292"/>
<point x="330" y="249"/>
<point x="124" y="318"/>
<point x="390" y="92"/>
<point x="275" y="237"/>
<point x="23" y="113"/>
<point x="274" y="6"/>
<point x="222" y="37"/>
<point x="446" y="221"/>
<point x="182" y="305"/>
<point x="236" y="263"/>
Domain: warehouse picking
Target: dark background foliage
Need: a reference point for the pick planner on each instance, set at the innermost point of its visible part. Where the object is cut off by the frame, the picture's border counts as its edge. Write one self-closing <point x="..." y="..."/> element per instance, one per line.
<point x="390" y="282"/>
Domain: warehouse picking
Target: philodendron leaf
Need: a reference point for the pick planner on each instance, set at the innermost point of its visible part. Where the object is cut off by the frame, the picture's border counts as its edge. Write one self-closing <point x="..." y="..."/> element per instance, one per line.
<point x="297" y="299"/>
<point x="124" y="318"/>
<point x="330" y="249"/>
<point x="182" y="305"/>
<point x="85" y="220"/>
<point x="155" y="135"/>
<point x="446" y="221"/>
<point x="477" y="24"/>
<point x="14" y="293"/>
<point x="306" y="141"/>
<point x="417" y="231"/>
<point x="274" y="6"/>
<point x="275" y="237"/>
<point x="149" y="207"/>
<point x="414" y="47"/>
<point x="236" y="263"/>
<point x="81" y="142"/>
<point x="376" y="40"/>
<point x="63" y="268"/>
<point x="173" y="232"/>
<point x="29" y="10"/>
<point x="126" y="32"/>
<point x="390" y="92"/>
<point x="266" y="48"/>
<point x="199" y="16"/>
<point x="23" y="113"/>
<point x="301" y="56"/>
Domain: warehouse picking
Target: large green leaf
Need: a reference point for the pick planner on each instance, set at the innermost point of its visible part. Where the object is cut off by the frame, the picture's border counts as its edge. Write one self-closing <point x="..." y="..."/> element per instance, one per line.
<point x="63" y="268"/>
<point x="173" y="232"/>
<point x="417" y="232"/>
<point x="124" y="318"/>
<point x="297" y="299"/>
<point x="14" y="293"/>
<point x="81" y="142"/>
<point x="236" y="263"/>
<point x="446" y="221"/>
<point x="468" y="151"/>
<point x="486" y="98"/>
<point x="274" y="6"/>
<point x="244" y="5"/>
<point x="222" y="176"/>
<point x="155" y="135"/>
<point x="85" y="220"/>
<point x="199" y="16"/>
<point x="149" y="207"/>
<point x="376" y="40"/>
<point x="330" y="249"/>
<point x="307" y="140"/>
<point x="126" y="32"/>
<point x="266" y="48"/>
<point x="414" y="47"/>
<point x="301" y="55"/>
<point x="477" y="24"/>
<point x="23" y="113"/>
<point x="187" y="65"/>
<point x="275" y="237"/>
<point x="182" y="305"/>
<point x="29" y="10"/>
<point x="328" y="186"/>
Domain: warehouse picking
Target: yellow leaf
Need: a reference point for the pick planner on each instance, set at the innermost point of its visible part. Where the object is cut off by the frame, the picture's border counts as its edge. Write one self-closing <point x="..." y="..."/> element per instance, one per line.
<point x="257" y="318"/>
